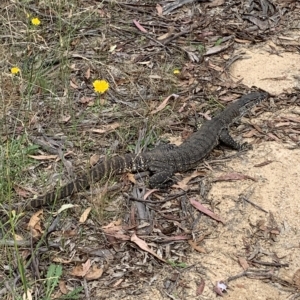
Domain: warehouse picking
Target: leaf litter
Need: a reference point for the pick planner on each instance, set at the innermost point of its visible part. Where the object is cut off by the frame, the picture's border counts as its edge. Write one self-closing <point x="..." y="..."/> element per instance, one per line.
<point x="136" y="52"/>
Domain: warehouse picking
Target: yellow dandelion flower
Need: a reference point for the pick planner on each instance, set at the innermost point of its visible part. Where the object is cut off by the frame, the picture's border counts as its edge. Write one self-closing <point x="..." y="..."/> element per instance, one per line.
<point x="35" y="21"/>
<point x="176" y="72"/>
<point x="100" y="86"/>
<point x="15" y="70"/>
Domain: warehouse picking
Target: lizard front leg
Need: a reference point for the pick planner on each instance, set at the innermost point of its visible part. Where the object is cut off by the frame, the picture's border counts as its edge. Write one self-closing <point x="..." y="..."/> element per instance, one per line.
<point x="228" y="140"/>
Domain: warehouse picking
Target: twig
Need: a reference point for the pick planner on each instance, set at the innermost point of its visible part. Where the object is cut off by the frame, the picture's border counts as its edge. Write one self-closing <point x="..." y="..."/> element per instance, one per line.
<point x="11" y="243"/>
<point x="296" y="296"/>
<point x="261" y="274"/>
<point x="265" y="263"/>
<point x="86" y="289"/>
<point x="255" y="205"/>
<point x="45" y="145"/>
<point x="130" y="197"/>
<point x="174" y="5"/>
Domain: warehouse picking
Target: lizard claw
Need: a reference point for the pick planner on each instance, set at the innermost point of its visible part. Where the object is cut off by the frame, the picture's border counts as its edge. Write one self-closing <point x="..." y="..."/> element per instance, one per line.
<point x="246" y="146"/>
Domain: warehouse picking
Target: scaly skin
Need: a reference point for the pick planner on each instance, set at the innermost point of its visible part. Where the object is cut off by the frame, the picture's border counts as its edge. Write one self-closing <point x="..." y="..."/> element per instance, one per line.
<point x="162" y="163"/>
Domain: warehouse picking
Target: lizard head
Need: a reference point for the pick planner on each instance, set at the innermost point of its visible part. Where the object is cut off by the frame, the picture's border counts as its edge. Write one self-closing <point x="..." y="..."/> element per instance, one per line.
<point x="248" y="101"/>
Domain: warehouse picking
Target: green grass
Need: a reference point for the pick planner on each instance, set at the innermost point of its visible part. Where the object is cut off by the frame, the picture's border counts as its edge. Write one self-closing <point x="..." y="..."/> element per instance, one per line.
<point x="71" y="38"/>
<point x="14" y="160"/>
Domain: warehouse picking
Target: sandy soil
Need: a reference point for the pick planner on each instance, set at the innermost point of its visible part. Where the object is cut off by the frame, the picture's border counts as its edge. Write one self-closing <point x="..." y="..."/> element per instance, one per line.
<point x="276" y="190"/>
<point x="269" y="67"/>
<point x="275" y="171"/>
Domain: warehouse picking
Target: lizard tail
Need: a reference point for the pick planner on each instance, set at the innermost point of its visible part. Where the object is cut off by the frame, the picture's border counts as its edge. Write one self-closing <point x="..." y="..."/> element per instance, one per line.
<point x="104" y="169"/>
<point x="79" y="184"/>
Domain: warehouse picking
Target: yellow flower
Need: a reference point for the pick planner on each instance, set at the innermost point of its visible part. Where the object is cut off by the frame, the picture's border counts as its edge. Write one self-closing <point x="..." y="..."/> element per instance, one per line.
<point x="176" y="71"/>
<point x="15" y="70"/>
<point x="100" y="86"/>
<point x="35" y="21"/>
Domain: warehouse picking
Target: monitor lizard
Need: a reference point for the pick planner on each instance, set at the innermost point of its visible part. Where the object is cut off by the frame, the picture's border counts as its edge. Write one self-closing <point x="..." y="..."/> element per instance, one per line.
<point x="162" y="162"/>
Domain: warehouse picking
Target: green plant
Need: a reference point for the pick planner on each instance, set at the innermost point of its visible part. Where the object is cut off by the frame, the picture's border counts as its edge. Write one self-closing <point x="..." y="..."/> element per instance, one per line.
<point x="53" y="275"/>
<point x="218" y="42"/>
<point x="177" y="264"/>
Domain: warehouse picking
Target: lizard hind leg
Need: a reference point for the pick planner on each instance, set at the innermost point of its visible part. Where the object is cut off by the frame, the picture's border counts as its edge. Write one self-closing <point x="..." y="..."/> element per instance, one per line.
<point x="161" y="179"/>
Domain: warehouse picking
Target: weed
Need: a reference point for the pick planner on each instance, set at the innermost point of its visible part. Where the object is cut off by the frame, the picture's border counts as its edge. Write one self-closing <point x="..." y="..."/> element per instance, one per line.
<point x="53" y="276"/>
<point x="219" y="42"/>
<point x="177" y="264"/>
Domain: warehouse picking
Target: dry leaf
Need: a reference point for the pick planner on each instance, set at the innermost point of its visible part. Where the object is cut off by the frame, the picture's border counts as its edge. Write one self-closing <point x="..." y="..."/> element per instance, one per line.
<point x="159" y="9"/>
<point x="85" y="215"/>
<point x="242" y="41"/>
<point x="87" y="74"/>
<point x="143" y="245"/>
<point x="296" y="278"/>
<point x="118" y="282"/>
<point x="21" y="192"/>
<point x="112" y="48"/>
<point x="164" y="36"/>
<point x="66" y="206"/>
<point x="73" y="85"/>
<point x="131" y="177"/>
<point x="265" y="163"/>
<point x="139" y="26"/>
<point x="164" y="104"/>
<point x="33" y="120"/>
<point x="27" y="295"/>
<point x="85" y="99"/>
<point x="154" y="76"/>
<point x="18" y="237"/>
<point x="106" y="128"/>
<point x="35" y="219"/>
<point x="167" y="34"/>
<point x="176" y="238"/>
<point x="113" y="224"/>
<point x="94" y="159"/>
<point x="229" y="98"/>
<point x="121" y="236"/>
<point x="194" y="245"/>
<point x="176" y="140"/>
<point x="215" y="3"/>
<point x="243" y="262"/>
<point x="77" y="271"/>
<point x="116" y="232"/>
<point x="68" y="233"/>
<point x="183" y="184"/>
<point x="147" y="194"/>
<point x="217" y="49"/>
<point x="250" y="134"/>
<point x="61" y="260"/>
<point x="65" y="119"/>
<point x="200" y="288"/>
<point x="34" y="224"/>
<point x="81" y="271"/>
<point x="63" y="287"/>
<point x="215" y="67"/>
<point x="94" y="273"/>
<point x="205" y="210"/>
